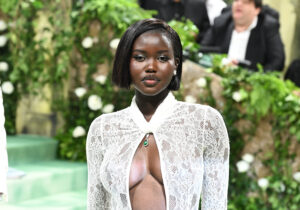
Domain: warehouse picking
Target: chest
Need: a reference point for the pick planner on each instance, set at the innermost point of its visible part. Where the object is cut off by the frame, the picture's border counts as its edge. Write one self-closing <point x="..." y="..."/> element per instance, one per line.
<point x="172" y="154"/>
<point x="146" y="161"/>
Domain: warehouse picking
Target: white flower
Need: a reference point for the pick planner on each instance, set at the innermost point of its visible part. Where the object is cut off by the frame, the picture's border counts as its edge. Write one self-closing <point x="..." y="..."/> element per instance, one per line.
<point x="87" y="42"/>
<point x="78" y="132"/>
<point x="190" y="99"/>
<point x="3" y="66"/>
<point x="3" y="40"/>
<point x="3" y="25"/>
<point x="297" y="176"/>
<point x="94" y="102"/>
<point x="237" y="96"/>
<point x="108" y="108"/>
<point x="242" y="166"/>
<point x="263" y="183"/>
<point x="80" y="91"/>
<point x="248" y="158"/>
<point x="282" y="187"/>
<point x="225" y="61"/>
<point x="7" y="87"/>
<point x="201" y="82"/>
<point x="114" y="43"/>
<point x="101" y="79"/>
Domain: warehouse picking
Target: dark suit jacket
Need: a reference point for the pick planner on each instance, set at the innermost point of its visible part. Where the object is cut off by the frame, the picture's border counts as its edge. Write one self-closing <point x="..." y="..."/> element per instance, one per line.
<point x="293" y="72"/>
<point x="195" y="10"/>
<point x="264" y="45"/>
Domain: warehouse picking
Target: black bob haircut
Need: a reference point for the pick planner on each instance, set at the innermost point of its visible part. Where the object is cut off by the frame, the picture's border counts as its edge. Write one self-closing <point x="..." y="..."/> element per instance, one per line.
<point x="121" y="75"/>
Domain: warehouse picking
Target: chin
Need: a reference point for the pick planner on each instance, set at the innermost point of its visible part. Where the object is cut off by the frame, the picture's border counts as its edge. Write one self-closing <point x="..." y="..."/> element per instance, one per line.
<point x="148" y="92"/>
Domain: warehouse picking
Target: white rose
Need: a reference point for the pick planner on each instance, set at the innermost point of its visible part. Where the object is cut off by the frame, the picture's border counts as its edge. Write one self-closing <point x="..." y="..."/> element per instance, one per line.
<point x="114" y="43"/>
<point x="78" y="132"/>
<point x="80" y="91"/>
<point x="248" y="158"/>
<point x="94" y="102"/>
<point x="201" y="82"/>
<point x="190" y="99"/>
<point x="7" y="87"/>
<point x="225" y="61"/>
<point x="3" y="25"/>
<point x="242" y="166"/>
<point x="108" y="108"/>
<point x="101" y="79"/>
<point x="282" y="187"/>
<point x="263" y="183"/>
<point x="3" y="66"/>
<point x="3" y="40"/>
<point x="237" y="96"/>
<point x="296" y="176"/>
<point x="87" y="42"/>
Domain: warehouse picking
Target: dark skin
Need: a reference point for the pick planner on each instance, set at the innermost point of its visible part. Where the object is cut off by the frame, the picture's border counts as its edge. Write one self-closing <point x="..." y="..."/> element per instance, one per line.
<point x="152" y="67"/>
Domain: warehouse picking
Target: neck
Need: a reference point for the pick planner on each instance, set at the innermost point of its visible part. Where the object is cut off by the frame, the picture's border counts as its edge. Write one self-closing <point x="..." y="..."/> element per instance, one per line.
<point x="148" y="104"/>
<point x="240" y="27"/>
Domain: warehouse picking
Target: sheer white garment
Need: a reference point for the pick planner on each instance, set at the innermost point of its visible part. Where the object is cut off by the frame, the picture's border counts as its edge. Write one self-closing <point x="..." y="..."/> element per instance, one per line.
<point x="193" y="144"/>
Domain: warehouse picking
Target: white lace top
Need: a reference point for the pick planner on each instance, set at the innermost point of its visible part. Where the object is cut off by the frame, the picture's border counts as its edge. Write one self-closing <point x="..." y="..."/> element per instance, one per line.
<point x="193" y="144"/>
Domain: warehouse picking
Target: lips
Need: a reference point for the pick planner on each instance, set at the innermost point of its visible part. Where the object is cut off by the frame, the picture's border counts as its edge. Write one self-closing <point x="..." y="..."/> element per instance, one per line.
<point x="150" y="80"/>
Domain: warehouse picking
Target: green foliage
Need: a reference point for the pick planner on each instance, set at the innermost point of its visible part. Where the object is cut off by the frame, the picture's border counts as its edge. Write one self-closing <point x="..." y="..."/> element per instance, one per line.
<point x="118" y="14"/>
<point x="187" y="32"/>
<point x="261" y="95"/>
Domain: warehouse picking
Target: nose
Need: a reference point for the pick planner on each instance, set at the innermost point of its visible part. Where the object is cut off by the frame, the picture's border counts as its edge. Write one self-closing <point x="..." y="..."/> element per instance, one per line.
<point x="151" y="65"/>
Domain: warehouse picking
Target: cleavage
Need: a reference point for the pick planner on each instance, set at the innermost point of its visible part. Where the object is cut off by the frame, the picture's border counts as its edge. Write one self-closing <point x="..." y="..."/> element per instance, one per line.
<point x="145" y="162"/>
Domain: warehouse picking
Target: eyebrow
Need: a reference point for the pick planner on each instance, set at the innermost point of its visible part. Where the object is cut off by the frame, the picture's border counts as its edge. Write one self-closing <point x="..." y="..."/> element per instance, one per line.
<point x="143" y="51"/>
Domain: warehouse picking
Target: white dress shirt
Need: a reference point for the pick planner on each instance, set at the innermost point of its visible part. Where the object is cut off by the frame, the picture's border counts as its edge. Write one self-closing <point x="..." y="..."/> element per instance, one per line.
<point x="193" y="145"/>
<point x="239" y="42"/>
<point x="3" y="152"/>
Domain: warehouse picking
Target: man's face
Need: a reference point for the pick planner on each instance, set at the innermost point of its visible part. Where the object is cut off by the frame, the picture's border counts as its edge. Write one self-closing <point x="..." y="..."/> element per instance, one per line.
<point x="244" y="12"/>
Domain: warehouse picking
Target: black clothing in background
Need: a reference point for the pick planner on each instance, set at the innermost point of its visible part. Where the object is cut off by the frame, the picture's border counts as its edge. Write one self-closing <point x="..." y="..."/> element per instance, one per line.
<point x="195" y="10"/>
<point x="293" y="72"/>
<point x="264" y="46"/>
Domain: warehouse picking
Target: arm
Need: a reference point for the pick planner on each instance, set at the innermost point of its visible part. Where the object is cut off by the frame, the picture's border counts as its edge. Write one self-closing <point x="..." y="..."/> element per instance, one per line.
<point x="275" y="50"/>
<point x="216" y="162"/>
<point x="3" y="153"/>
<point x="97" y="195"/>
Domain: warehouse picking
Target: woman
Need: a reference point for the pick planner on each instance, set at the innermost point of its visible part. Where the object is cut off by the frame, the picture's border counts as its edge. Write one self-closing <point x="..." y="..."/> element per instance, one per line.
<point x="158" y="153"/>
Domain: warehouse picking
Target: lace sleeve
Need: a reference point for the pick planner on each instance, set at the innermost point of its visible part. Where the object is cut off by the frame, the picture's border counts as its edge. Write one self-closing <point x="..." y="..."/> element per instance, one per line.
<point x="97" y="195"/>
<point x="216" y="162"/>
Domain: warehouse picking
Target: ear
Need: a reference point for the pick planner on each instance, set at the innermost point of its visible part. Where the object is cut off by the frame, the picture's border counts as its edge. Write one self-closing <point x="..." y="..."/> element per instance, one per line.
<point x="257" y="11"/>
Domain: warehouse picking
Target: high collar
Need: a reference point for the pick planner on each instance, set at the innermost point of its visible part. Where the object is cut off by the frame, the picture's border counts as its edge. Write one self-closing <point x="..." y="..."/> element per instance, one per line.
<point x="161" y="113"/>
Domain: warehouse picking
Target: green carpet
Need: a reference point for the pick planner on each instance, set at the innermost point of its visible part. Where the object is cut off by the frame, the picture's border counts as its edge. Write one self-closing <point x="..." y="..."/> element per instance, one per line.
<point x="49" y="183"/>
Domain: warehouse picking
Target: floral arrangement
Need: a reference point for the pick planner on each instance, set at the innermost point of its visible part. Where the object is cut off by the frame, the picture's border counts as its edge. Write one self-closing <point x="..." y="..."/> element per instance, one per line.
<point x="267" y="178"/>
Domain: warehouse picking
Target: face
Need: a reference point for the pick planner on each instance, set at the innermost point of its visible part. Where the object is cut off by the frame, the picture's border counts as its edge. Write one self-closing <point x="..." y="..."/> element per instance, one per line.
<point x="244" y="12"/>
<point x="152" y="63"/>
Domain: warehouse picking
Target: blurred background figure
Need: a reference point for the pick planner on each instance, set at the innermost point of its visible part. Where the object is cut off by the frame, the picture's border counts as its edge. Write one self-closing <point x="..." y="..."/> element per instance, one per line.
<point x="249" y="33"/>
<point x="3" y="153"/>
<point x="195" y="10"/>
<point x="293" y="72"/>
<point x="214" y="9"/>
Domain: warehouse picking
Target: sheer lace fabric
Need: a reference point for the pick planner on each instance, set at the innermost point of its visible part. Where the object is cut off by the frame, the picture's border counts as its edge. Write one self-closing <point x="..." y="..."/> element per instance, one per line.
<point x="194" y="153"/>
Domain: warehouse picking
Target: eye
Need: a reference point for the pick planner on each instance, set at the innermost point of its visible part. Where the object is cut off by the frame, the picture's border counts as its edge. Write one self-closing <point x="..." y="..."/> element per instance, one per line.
<point x="163" y="58"/>
<point x="139" y="58"/>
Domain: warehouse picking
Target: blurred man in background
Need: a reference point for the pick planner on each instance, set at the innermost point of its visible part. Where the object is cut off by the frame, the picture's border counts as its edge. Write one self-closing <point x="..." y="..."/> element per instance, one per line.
<point x="3" y="153"/>
<point x="249" y="34"/>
